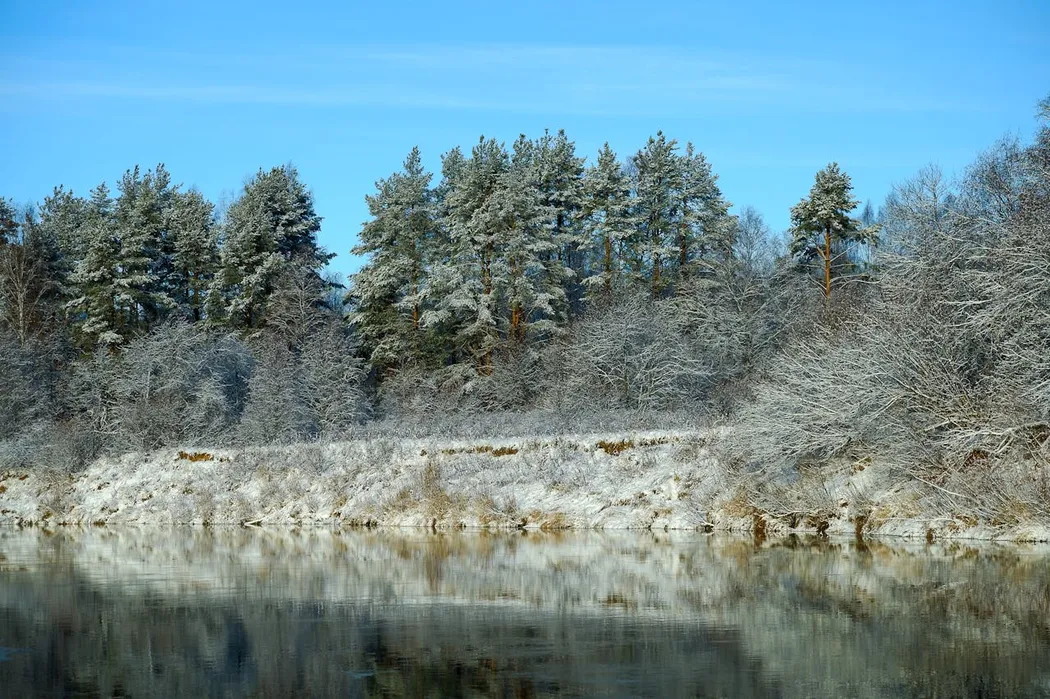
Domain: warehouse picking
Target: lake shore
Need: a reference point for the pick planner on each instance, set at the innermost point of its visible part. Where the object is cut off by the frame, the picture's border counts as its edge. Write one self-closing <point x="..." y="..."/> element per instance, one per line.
<point x="659" y="480"/>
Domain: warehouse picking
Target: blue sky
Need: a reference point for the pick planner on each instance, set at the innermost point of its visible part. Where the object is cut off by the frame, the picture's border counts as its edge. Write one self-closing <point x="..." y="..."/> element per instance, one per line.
<point x="769" y="91"/>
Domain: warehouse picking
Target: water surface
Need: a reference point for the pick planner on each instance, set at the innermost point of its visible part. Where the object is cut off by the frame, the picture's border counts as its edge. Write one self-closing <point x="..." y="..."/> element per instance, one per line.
<point x="256" y="612"/>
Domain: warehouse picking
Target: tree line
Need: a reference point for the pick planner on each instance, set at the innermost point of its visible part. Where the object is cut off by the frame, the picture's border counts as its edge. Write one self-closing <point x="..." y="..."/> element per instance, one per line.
<point x="531" y="278"/>
<point x="508" y="247"/>
<point x="109" y="269"/>
<point x="141" y="317"/>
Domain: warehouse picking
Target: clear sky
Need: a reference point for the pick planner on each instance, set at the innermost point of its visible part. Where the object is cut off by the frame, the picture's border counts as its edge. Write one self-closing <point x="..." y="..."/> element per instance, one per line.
<point x="769" y="91"/>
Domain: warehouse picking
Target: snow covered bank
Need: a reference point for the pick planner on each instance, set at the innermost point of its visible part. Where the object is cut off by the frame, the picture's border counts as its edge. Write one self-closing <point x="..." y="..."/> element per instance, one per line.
<point x="635" y="480"/>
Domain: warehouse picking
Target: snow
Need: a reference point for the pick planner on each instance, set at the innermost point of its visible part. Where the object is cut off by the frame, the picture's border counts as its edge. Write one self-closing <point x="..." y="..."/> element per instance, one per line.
<point x="660" y="480"/>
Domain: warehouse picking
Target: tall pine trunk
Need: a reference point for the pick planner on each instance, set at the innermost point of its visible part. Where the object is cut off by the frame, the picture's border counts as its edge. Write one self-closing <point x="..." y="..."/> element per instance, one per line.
<point x="485" y="363"/>
<point x="608" y="265"/>
<point x="827" y="263"/>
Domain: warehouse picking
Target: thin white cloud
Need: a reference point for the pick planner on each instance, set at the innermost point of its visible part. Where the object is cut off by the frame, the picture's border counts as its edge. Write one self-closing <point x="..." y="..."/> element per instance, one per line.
<point x="599" y="80"/>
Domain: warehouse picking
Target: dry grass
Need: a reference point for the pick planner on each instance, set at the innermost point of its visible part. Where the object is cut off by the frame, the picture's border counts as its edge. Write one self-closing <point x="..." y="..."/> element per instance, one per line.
<point x="618" y="447"/>
<point x="554" y="521"/>
<point x="195" y="456"/>
<point x="480" y="449"/>
<point x="658" y="480"/>
<point x="615" y="448"/>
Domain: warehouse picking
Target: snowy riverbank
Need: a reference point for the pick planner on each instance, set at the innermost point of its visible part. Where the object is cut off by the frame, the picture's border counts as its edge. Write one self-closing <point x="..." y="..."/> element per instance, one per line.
<point x="634" y="480"/>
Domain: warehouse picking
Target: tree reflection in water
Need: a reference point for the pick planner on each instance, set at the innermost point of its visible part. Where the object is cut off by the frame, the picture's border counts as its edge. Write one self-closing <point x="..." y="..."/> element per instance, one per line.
<point x="239" y="612"/>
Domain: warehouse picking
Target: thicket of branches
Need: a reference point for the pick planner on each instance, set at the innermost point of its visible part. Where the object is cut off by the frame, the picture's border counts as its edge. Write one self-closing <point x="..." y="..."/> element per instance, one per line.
<point x="940" y="368"/>
<point x="529" y="280"/>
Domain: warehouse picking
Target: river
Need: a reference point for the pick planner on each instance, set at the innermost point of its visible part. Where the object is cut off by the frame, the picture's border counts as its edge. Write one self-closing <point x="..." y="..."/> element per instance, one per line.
<point x="216" y="611"/>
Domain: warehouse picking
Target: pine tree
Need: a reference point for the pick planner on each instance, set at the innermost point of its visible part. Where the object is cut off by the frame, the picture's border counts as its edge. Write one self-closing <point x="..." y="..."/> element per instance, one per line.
<point x="706" y="273"/>
<point x="658" y="179"/>
<point x="61" y="216"/>
<point x="449" y="270"/>
<point x="607" y="222"/>
<point x="59" y="221"/>
<point x="195" y="255"/>
<point x="97" y="277"/>
<point x="271" y="225"/>
<point x="821" y="222"/>
<point x="503" y="278"/>
<point x="388" y="294"/>
<point x="122" y="264"/>
<point x="705" y="230"/>
<point x="8" y="222"/>
<point x="146" y="248"/>
<point x="469" y="274"/>
<point x="539" y="199"/>
<point x="558" y="176"/>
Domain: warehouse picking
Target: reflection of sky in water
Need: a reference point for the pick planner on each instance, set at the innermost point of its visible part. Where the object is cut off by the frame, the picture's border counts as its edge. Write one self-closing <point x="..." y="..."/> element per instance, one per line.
<point x="228" y="611"/>
<point x="7" y="653"/>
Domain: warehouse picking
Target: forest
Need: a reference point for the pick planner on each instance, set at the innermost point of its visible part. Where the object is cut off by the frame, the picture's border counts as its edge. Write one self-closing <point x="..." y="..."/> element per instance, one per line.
<point x="530" y="288"/>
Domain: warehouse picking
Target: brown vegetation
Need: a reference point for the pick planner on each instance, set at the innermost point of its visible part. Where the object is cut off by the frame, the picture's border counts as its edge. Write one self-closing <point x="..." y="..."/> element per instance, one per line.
<point x="195" y="456"/>
<point x="480" y="449"/>
<point x="615" y="448"/>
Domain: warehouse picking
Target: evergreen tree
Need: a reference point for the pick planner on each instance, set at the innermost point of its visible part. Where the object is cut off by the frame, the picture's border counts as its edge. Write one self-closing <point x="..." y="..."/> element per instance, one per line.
<point x="58" y="224"/>
<point x="608" y="223"/>
<point x="121" y="248"/>
<point x="558" y="176"/>
<point x="195" y="254"/>
<point x="61" y="217"/>
<point x="466" y="277"/>
<point x="440" y="319"/>
<point x="388" y="294"/>
<point x="97" y="278"/>
<point x="503" y="279"/>
<point x="8" y="222"/>
<point x="539" y="199"/>
<point x="658" y="178"/>
<point x="821" y="224"/>
<point x="705" y="230"/>
<point x="146" y="248"/>
<point x="271" y="225"/>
